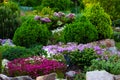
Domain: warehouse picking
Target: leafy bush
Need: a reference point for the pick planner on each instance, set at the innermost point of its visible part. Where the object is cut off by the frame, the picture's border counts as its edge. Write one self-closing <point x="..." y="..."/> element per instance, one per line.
<point x="28" y="2"/>
<point x="37" y="50"/>
<point x="77" y="6"/>
<point x="16" y="52"/>
<point x="57" y="5"/>
<point x="111" y="65"/>
<point x="80" y="76"/>
<point x="117" y="36"/>
<point x="112" y="8"/>
<point x="100" y="20"/>
<point x="80" y="31"/>
<point x="31" y="32"/>
<point x="0" y="62"/>
<point x="116" y="23"/>
<point x="9" y="19"/>
<point x="82" y="58"/>
<point x="34" y="66"/>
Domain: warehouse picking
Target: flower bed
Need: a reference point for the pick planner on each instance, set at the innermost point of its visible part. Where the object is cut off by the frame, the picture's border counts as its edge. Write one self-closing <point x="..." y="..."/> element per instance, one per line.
<point x="35" y="66"/>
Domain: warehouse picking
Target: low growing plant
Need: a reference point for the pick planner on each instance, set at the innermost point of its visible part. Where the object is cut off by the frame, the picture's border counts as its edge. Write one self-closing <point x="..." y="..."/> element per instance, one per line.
<point x="112" y="65"/>
<point x="82" y="58"/>
<point x="12" y="53"/>
<point x="34" y="66"/>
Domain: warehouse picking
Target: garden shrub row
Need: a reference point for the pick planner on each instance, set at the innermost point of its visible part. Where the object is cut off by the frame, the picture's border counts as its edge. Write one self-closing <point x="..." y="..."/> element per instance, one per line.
<point x="93" y="24"/>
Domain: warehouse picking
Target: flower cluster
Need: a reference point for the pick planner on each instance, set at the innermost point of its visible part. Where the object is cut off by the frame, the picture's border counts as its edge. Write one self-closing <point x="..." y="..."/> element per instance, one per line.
<point x="69" y="47"/>
<point x="58" y="19"/>
<point x="59" y="14"/>
<point x="34" y="66"/>
<point x="46" y="19"/>
<point x="4" y="42"/>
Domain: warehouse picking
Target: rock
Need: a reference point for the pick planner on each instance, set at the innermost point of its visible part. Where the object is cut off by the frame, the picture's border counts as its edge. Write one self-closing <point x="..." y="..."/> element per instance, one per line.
<point x="51" y="76"/>
<point x="71" y="73"/>
<point x="117" y="77"/>
<point x="22" y="78"/>
<point x="4" y="62"/>
<point x="99" y="75"/>
<point x="4" y="77"/>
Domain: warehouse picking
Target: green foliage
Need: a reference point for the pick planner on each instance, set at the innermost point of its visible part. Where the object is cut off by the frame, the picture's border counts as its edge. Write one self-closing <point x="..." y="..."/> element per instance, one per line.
<point x="80" y="76"/>
<point x="117" y="44"/>
<point x="31" y="32"/>
<point x="77" y="6"/>
<point x="117" y="36"/>
<point x="112" y="65"/>
<point x="56" y="37"/>
<point x="25" y="18"/>
<point x="16" y="52"/>
<point x="28" y="2"/>
<point x="45" y="12"/>
<point x="112" y="8"/>
<point x="0" y="62"/>
<point x="100" y="19"/>
<point x="37" y="50"/>
<point x="59" y="57"/>
<point x="9" y="19"/>
<point x="83" y="58"/>
<point x="57" y="5"/>
<point x="81" y="31"/>
<point x="4" y="48"/>
<point x="116" y="23"/>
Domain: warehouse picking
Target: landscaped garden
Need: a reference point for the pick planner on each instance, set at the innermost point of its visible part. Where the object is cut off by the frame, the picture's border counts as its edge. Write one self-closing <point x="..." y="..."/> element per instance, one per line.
<point x="66" y="37"/>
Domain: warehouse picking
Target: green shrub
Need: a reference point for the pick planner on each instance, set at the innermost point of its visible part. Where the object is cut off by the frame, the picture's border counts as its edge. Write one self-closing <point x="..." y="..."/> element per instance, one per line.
<point x="9" y="19"/>
<point x="31" y="32"/>
<point x="111" y="65"/>
<point x="37" y="50"/>
<point x="83" y="58"/>
<point x="28" y="2"/>
<point x="117" y="36"/>
<point x="80" y="76"/>
<point x="26" y="17"/>
<point x="116" y="23"/>
<point x="16" y="52"/>
<point x="0" y="62"/>
<point x="77" y="6"/>
<point x="57" y="5"/>
<point x="80" y="31"/>
<point x="100" y="20"/>
<point x="113" y="8"/>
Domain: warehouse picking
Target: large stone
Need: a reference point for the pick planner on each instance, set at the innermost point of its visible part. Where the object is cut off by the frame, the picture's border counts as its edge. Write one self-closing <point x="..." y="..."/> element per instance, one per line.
<point x="117" y="77"/>
<point x="51" y="76"/>
<point x="4" y="77"/>
<point x="22" y="78"/>
<point x="99" y="75"/>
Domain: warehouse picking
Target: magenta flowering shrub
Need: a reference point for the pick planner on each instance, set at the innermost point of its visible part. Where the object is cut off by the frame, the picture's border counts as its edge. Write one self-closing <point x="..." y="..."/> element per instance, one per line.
<point x="34" y="66"/>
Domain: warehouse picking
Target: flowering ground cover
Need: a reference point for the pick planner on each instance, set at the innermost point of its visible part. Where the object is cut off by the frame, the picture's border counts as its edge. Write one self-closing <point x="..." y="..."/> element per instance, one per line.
<point x="34" y="66"/>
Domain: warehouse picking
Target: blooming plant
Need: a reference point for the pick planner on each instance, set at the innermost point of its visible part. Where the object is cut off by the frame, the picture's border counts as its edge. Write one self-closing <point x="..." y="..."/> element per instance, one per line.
<point x="58" y="19"/>
<point x="34" y="66"/>
<point x="70" y="47"/>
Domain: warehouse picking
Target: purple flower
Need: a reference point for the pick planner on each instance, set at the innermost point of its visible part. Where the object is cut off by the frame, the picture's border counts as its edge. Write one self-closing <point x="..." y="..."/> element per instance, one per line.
<point x="56" y="14"/>
<point x="59" y="14"/>
<point x="37" y="17"/>
<point x="45" y="19"/>
<point x="71" y="16"/>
